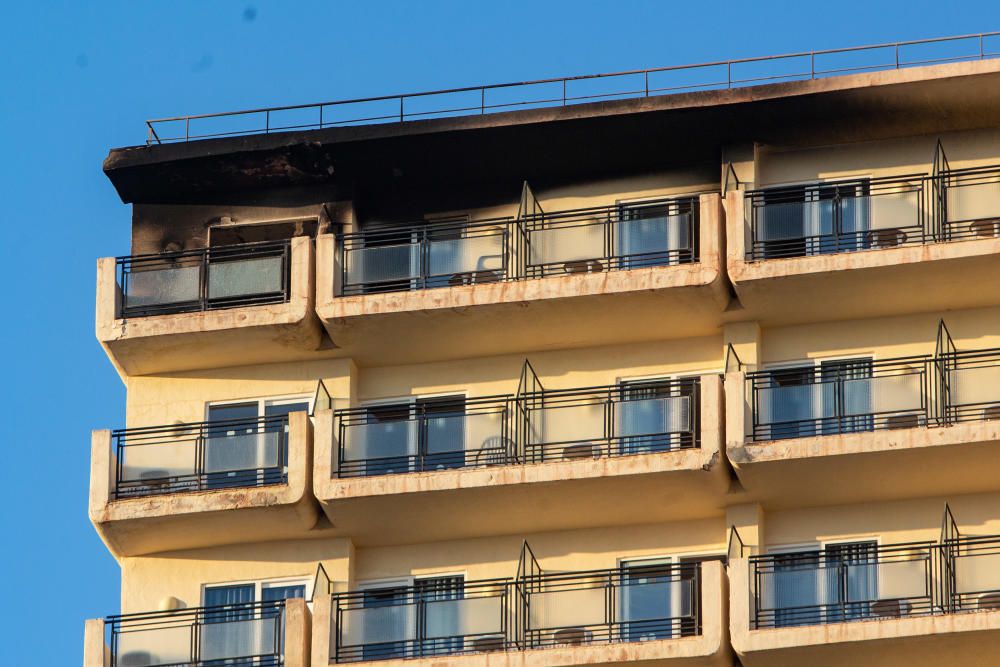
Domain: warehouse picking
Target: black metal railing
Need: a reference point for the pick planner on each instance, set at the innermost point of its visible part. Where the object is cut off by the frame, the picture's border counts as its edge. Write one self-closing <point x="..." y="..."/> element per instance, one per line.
<point x="449" y="616"/>
<point x="615" y="420"/>
<point x="863" y="580"/>
<point x="200" y="456"/>
<point x="874" y="213"/>
<point x="412" y="437"/>
<point x="658" y="232"/>
<point x="861" y="394"/>
<point x="565" y="91"/>
<point x="238" y="634"/>
<point x="443" y="254"/>
<point x="629" y="604"/>
<point x="212" y="278"/>
<point x="842" y="396"/>
<point x="835" y="217"/>
<point x="446" y="616"/>
<point x="847" y="582"/>
<point x="630" y="418"/>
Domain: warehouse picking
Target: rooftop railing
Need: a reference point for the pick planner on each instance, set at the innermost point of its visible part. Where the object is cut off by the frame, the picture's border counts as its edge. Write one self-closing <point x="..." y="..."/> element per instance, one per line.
<point x="867" y="581"/>
<point x="862" y="394"/>
<point x="631" y="418"/>
<point x="873" y="213"/>
<point x="449" y="616"/>
<point x="565" y="91"/>
<point x="211" y="278"/>
<point x="201" y="456"/>
<point x="238" y="634"/>
<point x="660" y="232"/>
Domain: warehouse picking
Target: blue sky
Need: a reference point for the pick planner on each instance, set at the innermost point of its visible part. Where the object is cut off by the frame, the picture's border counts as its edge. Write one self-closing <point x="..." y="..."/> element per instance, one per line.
<point x="79" y="78"/>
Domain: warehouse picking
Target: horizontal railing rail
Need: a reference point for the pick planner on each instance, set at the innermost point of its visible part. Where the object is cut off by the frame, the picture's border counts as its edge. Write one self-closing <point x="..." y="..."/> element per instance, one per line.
<point x="640" y="417"/>
<point x="413" y="437"/>
<point x="448" y="618"/>
<point x="200" y="456"/>
<point x="564" y="91"/>
<point x="245" y="634"/>
<point x="204" y="279"/>
<point x="843" y="583"/>
<point x="441" y="254"/>
<point x="624" y="236"/>
<point x="614" y="420"/>
<point x="845" y="396"/>
<point x="618" y="605"/>
<point x="837" y="216"/>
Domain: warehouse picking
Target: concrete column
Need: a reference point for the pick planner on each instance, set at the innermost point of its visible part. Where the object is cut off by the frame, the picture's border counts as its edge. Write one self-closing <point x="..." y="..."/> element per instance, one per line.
<point x="327" y="269"/>
<point x="322" y="619"/>
<point x="343" y="390"/>
<point x="303" y="273"/>
<point x="736" y="410"/>
<point x="737" y="231"/>
<point x="745" y="338"/>
<point x="748" y="519"/>
<point x="95" y="652"/>
<point x="712" y="413"/>
<point x="739" y="603"/>
<point x="711" y="231"/>
<point x="102" y="472"/>
<point x="298" y="633"/>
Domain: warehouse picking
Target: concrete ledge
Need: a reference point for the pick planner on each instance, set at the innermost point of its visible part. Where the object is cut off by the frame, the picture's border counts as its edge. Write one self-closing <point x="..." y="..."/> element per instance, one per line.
<point x="168" y="522"/>
<point x="216" y="338"/>
<point x="555" y="312"/>
<point x="860" y="467"/>
<point x="709" y="649"/>
<point x="968" y="639"/>
<point x="855" y="285"/>
<point x="646" y="488"/>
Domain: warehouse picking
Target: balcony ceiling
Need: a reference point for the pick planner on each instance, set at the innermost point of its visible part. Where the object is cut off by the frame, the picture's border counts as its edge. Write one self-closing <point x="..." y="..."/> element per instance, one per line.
<point x="491" y="155"/>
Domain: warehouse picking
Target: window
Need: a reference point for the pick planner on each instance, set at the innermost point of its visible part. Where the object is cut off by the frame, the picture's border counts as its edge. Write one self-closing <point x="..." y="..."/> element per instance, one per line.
<point x="417" y="620"/>
<point x="657" y="415"/>
<point x="812" y="219"/>
<point x="853" y="584"/>
<point x="240" y="450"/>
<point x="652" y="600"/>
<point x="654" y="234"/>
<point x="792" y="588"/>
<point x="423" y="434"/>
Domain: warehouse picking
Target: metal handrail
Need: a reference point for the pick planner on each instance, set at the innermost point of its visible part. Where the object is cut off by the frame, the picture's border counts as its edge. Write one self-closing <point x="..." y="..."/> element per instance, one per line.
<point x="642" y="88"/>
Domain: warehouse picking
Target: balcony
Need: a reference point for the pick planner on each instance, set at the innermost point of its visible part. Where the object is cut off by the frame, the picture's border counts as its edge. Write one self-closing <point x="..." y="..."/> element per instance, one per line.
<point x="864" y="247"/>
<point x="473" y="289"/>
<point x="267" y="634"/>
<point x="192" y="485"/>
<point x="662" y="614"/>
<point x="879" y="424"/>
<point x="409" y="464"/>
<point x="200" y="308"/>
<point x="870" y="604"/>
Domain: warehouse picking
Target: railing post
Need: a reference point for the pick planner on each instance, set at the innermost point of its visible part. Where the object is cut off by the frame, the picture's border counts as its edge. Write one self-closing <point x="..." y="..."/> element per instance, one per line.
<point x="812" y="64"/>
<point x="400" y="108"/>
<point x="564" y="91"/>
<point x="267" y="122"/>
<point x="646" y="76"/>
<point x="187" y="129"/>
<point x="482" y="100"/>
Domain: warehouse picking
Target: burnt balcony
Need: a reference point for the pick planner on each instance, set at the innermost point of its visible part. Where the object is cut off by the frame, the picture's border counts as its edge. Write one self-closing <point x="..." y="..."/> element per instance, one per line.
<point x="263" y="634"/>
<point x="201" y="484"/>
<point x="464" y="456"/>
<point x="877" y="422"/>
<point x="866" y="246"/>
<point x="631" y="614"/>
<point x="867" y="601"/>
<point x="199" y="308"/>
<point x="491" y="274"/>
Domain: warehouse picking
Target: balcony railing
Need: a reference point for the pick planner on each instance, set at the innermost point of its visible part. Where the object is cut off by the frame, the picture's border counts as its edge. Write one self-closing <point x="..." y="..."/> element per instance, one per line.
<point x="623" y="605"/>
<point x="873" y="213"/>
<point x="432" y="255"/>
<point x="447" y="616"/>
<point x="239" y="634"/>
<point x="201" y="456"/>
<point x="590" y="240"/>
<point x="660" y="232"/>
<point x="862" y="394"/>
<point x="212" y="278"/>
<point x="431" y="620"/>
<point x="556" y="425"/>
<point x="629" y="418"/>
<point x="866" y="581"/>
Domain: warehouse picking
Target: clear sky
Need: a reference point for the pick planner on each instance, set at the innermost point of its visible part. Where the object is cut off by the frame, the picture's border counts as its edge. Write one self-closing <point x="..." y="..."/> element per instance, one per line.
<point x="80" y="77"/>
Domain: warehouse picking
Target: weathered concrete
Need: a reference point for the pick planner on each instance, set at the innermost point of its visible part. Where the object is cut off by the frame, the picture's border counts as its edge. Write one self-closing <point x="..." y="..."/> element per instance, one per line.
<point x="96" y="652"/>
<point x="556" y="312"/>
<point x="521" y="499"/>
<point x="969" y="639"/>
<point x="170" y="522"/>
<point x="212" y="339"/>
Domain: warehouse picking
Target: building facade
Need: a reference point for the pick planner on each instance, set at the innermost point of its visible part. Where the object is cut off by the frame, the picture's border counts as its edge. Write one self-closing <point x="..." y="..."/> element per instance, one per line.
<point x="692" y="378"/>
